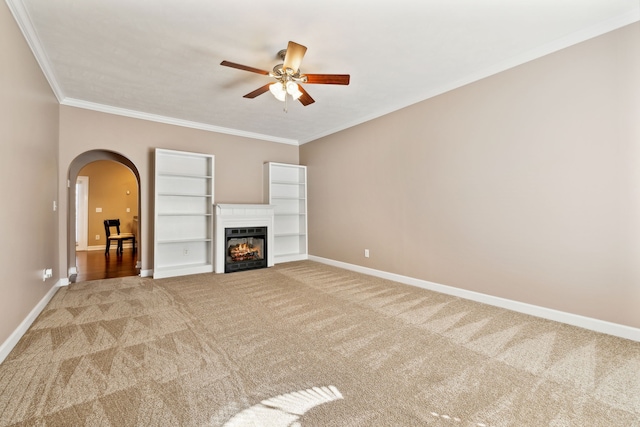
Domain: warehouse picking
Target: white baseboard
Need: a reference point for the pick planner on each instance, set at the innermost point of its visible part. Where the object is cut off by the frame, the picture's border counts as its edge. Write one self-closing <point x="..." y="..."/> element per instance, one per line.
<point x="146" y="273"/>
<point x="592" y="324"/>
<point x="10" y="343"/>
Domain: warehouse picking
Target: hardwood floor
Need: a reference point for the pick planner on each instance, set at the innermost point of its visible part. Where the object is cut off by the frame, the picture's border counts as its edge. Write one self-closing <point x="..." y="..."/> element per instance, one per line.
<point x="95" y="265"/>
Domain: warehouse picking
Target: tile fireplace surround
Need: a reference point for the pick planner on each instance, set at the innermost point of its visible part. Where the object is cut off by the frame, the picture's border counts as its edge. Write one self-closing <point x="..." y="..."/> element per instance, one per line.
<point x="237" y="216"/>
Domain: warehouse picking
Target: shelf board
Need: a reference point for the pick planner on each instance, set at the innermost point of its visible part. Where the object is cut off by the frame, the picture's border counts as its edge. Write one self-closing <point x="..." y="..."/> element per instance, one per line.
<point x="183" y="214"/>
<point x="276" y="235"/>
<point x="185" y="194"/>
<point x="184" y="175"/>
<point x="288" y="182"/>
<point x="286" y="254"/>
<point x="287" y="198"/>
<point x="295" y="256"/>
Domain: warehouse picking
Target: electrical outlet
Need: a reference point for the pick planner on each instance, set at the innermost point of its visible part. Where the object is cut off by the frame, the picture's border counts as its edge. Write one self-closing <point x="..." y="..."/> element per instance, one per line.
<point x="366" y="253"/>
<point x="97" y="237"/>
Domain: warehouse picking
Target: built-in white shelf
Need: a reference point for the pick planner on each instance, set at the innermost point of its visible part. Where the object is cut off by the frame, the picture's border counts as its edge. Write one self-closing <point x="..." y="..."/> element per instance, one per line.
<point x="285" y="188"/>
<point x="183" y="218"/>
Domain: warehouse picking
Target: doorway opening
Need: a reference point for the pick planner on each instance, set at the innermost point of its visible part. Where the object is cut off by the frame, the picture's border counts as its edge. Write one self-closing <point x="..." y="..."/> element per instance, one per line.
<point x="113" y="193"/>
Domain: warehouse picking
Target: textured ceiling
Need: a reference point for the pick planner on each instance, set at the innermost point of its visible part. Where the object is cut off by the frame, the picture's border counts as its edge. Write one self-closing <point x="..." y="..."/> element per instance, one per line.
<point x="159" y="59"/>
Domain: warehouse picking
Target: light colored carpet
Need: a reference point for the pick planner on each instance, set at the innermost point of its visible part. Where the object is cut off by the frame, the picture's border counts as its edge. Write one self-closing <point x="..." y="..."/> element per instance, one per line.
<point x="305" y="344"/>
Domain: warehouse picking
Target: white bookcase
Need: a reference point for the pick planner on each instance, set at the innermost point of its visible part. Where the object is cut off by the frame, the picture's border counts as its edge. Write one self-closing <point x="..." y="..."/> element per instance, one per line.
<point x="183" y="219"/>
<point x="285" y="187"/>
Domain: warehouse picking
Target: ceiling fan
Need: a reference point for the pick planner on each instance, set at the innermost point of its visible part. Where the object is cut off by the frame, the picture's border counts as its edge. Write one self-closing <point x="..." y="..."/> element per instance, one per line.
<point x="288" y="76"/>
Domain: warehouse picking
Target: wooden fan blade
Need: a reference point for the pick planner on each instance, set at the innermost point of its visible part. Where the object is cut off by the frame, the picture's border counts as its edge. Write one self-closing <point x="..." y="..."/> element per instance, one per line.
<point x="244" y="67"/>
<point x="305" y="99"/>
<point x="328" y="79"/>
<point x="294" y="55"/>
<point x="258" y="91"/>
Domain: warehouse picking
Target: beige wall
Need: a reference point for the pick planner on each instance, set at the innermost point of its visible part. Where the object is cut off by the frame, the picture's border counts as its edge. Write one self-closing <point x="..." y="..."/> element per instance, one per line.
<point x="28" y="169"/>
<point x="525" y="185"/>
<point x="238" y="161"/>
<point x="113" y="189"/>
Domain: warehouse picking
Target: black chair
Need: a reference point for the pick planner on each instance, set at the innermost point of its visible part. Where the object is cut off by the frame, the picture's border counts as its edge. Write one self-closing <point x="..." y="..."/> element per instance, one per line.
<point x="118" y="237"/>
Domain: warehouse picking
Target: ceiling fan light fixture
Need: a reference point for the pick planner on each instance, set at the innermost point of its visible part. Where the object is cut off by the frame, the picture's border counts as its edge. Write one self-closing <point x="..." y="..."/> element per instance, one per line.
<point x="278" y="90"/>
<point x="293" y="90"/>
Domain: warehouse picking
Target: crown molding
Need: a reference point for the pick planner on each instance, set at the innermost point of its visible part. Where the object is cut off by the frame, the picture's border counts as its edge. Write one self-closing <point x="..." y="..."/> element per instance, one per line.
<point x="78" y="103"/>
<point x="25" y="23"/>
<point x="23" y="19"/>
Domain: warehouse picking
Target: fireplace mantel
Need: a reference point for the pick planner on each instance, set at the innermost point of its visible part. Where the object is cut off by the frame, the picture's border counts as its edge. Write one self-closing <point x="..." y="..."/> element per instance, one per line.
<point x="241" y="215"/>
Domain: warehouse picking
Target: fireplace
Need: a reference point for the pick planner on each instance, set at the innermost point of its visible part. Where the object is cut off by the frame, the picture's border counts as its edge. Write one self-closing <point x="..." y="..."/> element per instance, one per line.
<point x="246" y="248"/>
<point x="253" y="237"/>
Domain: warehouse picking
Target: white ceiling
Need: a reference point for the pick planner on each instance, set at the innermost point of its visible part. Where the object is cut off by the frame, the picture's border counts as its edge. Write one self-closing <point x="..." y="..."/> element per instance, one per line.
<point x="159" y="59"/>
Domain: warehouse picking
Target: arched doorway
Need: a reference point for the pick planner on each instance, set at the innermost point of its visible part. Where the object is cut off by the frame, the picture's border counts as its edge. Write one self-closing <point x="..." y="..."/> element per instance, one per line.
<point x="75" y="167"/>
